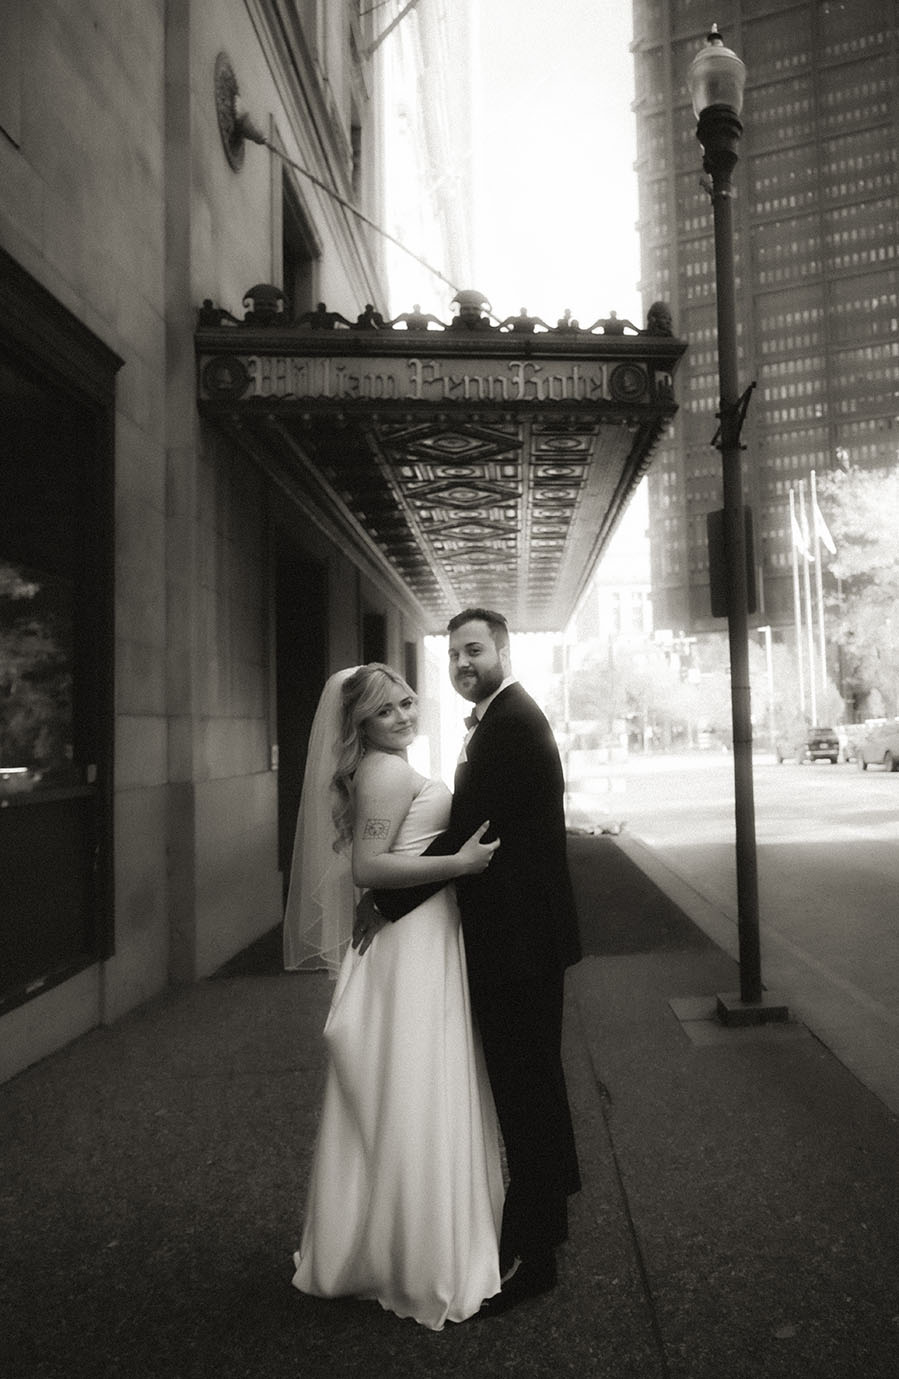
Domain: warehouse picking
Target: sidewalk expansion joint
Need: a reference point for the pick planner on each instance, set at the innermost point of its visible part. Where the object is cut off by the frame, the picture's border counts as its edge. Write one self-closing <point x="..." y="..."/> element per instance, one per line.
<point x="605" y="1108"/>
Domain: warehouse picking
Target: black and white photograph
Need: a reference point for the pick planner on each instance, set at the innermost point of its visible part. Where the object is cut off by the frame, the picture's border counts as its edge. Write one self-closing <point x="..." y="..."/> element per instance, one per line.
<point x="449" y="689"/>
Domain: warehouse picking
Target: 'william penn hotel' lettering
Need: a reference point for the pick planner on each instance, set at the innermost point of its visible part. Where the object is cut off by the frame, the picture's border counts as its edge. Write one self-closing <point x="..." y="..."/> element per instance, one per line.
<point x="425" y="380"/>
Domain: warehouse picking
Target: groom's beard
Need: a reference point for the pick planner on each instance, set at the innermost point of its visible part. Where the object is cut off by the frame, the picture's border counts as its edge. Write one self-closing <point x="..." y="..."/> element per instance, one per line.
<point x="475" y="686"/>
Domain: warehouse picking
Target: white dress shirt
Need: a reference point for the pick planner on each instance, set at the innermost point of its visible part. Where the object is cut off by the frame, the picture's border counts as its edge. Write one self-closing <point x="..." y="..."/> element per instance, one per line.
<point x="480" y="709"/>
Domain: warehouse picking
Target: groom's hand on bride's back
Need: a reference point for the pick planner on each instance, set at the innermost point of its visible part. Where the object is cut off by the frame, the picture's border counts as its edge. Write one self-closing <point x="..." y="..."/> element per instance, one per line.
<point x="475" y="855"/>
<point x="367" y="923"/>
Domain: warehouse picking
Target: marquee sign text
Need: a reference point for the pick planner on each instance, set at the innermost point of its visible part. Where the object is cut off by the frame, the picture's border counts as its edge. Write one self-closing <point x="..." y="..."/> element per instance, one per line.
<point x="374" y="379"/>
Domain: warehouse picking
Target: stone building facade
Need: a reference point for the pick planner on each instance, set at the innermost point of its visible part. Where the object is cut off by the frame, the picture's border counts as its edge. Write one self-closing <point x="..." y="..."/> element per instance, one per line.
<point x="168" y="616"/>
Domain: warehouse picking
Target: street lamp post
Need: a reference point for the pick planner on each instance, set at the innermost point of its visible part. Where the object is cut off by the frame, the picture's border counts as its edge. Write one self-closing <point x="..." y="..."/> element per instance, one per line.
<point x="716" y="79"/>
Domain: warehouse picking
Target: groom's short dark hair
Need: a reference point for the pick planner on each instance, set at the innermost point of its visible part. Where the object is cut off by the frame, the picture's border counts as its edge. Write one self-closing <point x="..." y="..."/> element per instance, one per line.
<point x="499" y="628"/>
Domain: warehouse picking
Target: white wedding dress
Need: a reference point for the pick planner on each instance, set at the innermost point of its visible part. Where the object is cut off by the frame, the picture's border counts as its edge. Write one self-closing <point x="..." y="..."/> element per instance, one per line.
<point x="405" y="1198"/>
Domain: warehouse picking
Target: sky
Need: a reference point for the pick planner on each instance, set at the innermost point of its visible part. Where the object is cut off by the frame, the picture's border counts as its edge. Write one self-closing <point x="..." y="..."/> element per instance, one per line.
<point x="553" y="206"/>
<point x="555" y="203"/>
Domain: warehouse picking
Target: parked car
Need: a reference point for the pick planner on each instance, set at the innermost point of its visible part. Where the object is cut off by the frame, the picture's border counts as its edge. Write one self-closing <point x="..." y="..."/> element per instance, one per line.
<point x="880" y="746"/>
<point x="850" y="735"/>
<point x="816" y="744"/>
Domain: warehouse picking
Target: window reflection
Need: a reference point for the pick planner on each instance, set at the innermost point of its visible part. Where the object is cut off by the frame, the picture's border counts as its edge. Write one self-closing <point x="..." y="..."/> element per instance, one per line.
<point x="36" y="679"/>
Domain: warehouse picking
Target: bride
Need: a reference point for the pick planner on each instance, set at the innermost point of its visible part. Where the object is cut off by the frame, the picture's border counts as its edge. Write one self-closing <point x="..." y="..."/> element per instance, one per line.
<point x="405" y="1196"/>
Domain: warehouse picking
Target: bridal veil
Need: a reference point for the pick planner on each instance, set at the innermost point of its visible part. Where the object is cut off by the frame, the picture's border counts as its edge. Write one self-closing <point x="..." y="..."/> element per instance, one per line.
<point x="321" y="901"/>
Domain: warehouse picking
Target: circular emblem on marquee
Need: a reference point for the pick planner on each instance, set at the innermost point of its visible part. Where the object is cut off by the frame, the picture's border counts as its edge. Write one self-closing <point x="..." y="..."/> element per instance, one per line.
<point x="627" y="382"/>
<point x="225" y="377"/>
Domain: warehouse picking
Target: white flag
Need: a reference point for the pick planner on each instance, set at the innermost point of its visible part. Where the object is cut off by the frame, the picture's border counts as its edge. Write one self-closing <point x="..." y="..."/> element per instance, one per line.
<point x="822" y="528"/>
<point x="799" y="540"/>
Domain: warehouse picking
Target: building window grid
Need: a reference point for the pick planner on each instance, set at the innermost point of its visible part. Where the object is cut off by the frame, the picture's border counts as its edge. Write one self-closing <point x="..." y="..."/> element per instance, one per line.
<point x="852" y="172"/>
<point x="857" y="45"/>
<point x="702" y="387"/>
<point x="857" y="188"/>
<point x="696" y="280"/>
<point x="796" y="377"/>
<point x="862" y="308"/>
<point x="858" y="384"/>
<point x="687" y="14"/>
<point x="654" y="202"/>
<point x="861" y="103"/>
<point x="790" y="455"/>
<point x="697" y="222"/>
<point x="789" y="416"/>
<point x="652" y="136"/>
<point x="805" y="309"/>
<point x="684" y="142"/>
<point x="789" y="105"/>
<point x="861" y="258"/>
<point x="655" y="234"/>
<point x="789" y="201"/>
<point x="649" y="75"/>
<point x="789" y="184"/>
<point x="789" y="345"/>
<point x="781" y="274"/>
<point x="779" y="240"/>
<point x="847" y="438"/>
<point x="768" y="51"/>
<point x="703" y="328"/>
<point x="702" y="358"/>
<point x="649" y="17"/>
<point x="791" y="390"/>
<point x="656" y="272"/>
<point x="873" y="220"/>
<point x="850" y="167"/>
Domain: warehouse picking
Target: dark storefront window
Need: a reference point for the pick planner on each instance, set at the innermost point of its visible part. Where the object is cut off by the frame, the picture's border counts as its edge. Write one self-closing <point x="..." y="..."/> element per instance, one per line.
<point x="37" y="666"/>
<point x="56" y="398"/>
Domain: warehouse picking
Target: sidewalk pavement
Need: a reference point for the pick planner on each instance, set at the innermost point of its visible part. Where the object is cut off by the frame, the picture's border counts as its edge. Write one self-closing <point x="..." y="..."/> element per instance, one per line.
<point x="739" y="1216"/>
<point x="854" y="1015"/>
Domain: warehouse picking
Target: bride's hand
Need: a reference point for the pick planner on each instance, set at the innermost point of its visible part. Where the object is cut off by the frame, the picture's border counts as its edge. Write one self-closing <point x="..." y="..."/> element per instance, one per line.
<point x="369" y="921"/>
<point x="475" y="856"/>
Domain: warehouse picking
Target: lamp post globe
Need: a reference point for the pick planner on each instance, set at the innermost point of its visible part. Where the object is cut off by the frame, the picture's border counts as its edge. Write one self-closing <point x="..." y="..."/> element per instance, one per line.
<point x="716" y="76"/>
<point x="716" y="79"/>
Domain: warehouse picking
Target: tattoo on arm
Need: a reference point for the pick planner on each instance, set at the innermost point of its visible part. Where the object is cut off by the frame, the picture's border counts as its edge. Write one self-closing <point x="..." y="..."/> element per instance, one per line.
<point x="376" y="828"/>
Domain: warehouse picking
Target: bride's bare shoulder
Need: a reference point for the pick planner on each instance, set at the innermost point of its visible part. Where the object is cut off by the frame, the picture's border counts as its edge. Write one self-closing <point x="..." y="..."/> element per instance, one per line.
<point x="384" y="769"/>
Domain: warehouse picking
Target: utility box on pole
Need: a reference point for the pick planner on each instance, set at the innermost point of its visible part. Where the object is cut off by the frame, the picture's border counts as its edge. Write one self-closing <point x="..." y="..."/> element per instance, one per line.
<point x="718" y="563"/>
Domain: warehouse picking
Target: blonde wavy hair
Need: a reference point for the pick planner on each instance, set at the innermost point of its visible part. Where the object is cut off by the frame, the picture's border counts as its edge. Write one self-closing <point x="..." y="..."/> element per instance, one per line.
<point x="361" y="695"/>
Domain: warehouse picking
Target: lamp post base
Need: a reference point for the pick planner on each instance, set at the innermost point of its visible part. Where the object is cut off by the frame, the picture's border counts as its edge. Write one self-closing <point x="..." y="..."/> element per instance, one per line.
<point x="733" y="1011"/>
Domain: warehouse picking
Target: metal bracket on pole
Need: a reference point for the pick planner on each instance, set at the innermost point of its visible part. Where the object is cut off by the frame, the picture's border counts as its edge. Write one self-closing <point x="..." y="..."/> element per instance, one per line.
<point x="730" y="411"/>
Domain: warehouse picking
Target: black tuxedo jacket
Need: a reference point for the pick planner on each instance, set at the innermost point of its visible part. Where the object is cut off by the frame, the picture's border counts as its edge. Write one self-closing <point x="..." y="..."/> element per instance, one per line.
<point x="518" y="916"/>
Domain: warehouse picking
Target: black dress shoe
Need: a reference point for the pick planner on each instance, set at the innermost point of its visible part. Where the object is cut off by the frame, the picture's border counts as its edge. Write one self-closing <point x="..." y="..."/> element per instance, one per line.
<point x="530" y="1280"/>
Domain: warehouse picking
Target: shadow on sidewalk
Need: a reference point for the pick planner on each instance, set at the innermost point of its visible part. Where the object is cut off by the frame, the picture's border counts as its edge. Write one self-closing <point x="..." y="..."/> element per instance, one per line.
<point x="738" y="1214"/>
<point x="620" y="910"/>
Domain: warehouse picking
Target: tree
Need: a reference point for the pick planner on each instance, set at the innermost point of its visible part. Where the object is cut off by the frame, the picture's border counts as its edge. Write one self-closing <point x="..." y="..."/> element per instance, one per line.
<point x="860" y="508"/>
<point x="642" y="684"/>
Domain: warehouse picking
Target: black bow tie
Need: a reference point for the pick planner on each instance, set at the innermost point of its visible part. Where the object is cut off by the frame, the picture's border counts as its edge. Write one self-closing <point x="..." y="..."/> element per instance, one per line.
<point x="472" y="721"/>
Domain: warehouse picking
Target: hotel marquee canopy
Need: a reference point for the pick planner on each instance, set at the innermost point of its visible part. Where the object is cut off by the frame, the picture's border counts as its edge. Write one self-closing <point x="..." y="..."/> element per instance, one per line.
<point x="473" y="464"/>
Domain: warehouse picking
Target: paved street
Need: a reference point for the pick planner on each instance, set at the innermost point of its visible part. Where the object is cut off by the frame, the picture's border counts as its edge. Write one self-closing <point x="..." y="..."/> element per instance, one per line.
<point x="828" y="866"/>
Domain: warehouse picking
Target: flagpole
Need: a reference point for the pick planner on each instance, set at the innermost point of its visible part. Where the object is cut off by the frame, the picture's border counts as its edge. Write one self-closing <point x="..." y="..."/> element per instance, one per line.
<point x="797" y="605"/>
<point x="769" y="669"/>
<point x="819" y="584"/>
<point x="807" y="586"/>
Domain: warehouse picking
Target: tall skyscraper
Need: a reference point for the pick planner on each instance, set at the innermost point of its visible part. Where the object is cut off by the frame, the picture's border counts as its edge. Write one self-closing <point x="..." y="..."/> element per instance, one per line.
<point x="816" y="222"/>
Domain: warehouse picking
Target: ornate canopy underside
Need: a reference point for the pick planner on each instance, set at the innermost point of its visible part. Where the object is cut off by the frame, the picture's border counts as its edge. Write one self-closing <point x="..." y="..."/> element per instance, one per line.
<point x="472" y="467"/>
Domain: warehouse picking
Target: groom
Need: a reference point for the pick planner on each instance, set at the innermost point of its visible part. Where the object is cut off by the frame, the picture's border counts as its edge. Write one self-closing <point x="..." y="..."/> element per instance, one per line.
<point x="520" y="929"/>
